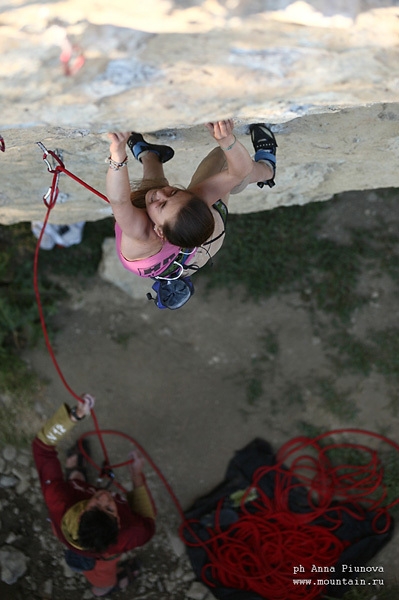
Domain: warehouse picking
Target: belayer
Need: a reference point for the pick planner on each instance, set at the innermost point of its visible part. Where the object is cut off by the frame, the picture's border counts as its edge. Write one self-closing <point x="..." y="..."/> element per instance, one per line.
<point x="166" y="232"/>
<point x="95" y="525"/>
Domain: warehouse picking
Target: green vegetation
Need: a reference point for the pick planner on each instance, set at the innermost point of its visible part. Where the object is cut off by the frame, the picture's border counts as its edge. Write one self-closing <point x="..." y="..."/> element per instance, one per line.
<point x="309" y="429"/>
<point x="281" y="250"/>
<point x="385" y="347"/>
<point x="334" y="401"/>
<point x="380" y="350"/>
<point x="83" y="259"/>
<point x="390" y="462"/>
<point x="18" y="387"/>
<point x="389" y="591"/>
<point x="19" y="318"/>
<point x="260" y="365"/>
<point x="292" y="394"/>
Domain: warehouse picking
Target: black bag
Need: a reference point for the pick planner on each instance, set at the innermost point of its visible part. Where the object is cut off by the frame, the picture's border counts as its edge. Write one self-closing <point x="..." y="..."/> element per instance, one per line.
<point x="172" y="293"/>
<point x="361" y="541"/>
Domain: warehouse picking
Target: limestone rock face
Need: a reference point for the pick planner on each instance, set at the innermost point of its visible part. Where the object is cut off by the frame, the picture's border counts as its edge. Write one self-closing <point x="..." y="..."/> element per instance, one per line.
<point x="323" y="72"/>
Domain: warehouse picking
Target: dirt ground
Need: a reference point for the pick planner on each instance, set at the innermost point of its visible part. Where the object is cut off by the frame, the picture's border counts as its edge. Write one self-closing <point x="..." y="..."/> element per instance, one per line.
<point x="195" y="385"/>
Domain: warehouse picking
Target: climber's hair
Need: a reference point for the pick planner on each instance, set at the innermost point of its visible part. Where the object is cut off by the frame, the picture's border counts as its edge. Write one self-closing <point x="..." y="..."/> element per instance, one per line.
<point x="140" y="188"/>
<point x="194" y="223"/>
<point x="97" y="530"/>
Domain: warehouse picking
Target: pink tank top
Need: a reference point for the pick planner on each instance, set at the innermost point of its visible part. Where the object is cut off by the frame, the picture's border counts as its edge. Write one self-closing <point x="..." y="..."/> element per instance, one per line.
<point x="153" y="265"/>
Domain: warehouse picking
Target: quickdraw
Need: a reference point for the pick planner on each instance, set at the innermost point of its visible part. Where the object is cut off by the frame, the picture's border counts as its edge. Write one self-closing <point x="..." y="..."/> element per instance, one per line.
<point x="50" y="197"/>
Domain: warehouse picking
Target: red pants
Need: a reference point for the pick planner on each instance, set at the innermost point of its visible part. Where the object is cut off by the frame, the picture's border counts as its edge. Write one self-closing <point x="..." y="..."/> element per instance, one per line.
<point x="104" y="574"/>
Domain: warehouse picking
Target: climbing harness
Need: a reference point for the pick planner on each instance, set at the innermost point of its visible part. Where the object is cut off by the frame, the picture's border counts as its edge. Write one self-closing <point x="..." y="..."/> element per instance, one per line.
<point x="171" y="290"/>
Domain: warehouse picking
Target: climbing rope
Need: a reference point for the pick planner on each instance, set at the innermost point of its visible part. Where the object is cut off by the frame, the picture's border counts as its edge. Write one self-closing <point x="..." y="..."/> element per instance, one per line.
<point x="258" y="552"/>
<point x="50" y="199"/>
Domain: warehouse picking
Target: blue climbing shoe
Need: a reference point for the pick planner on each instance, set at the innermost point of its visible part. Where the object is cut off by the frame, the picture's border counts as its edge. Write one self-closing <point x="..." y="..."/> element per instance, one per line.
<point x="137" y="145"/>
<point x="265" y="145"/>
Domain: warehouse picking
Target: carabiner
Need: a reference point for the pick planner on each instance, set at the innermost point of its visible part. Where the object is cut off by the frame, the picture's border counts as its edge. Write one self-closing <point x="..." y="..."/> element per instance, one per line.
<point x="50" y="197"/>
<point x="45" y="154"/>
<point x="106" y="471"/>
<point x="179" y="274"/>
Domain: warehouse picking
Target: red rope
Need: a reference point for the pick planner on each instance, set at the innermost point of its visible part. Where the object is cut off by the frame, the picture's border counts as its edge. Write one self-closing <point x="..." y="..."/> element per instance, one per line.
<point x="261" y="549"/>
<point x="59" y="168"/>
<point x="46" y="336"/>
<point x="50" y="200"/>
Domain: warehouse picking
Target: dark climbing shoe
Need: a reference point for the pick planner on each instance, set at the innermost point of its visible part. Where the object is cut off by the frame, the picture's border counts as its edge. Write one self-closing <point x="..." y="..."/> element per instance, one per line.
<point x="265" y="145"/>
<point x="137" y="145"/>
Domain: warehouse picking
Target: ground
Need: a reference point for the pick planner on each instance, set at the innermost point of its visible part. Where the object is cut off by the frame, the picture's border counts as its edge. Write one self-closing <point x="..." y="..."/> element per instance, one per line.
<point x="195" y="385"/>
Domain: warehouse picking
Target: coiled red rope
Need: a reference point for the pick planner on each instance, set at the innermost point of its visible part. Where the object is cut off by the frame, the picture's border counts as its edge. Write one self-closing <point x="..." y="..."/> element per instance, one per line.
<point x="259" y="551"/>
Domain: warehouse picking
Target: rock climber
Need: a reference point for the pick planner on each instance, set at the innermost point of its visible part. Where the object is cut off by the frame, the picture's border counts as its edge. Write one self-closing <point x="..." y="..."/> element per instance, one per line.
<point x="161" y="229"/>
<point x="95" y="525"/>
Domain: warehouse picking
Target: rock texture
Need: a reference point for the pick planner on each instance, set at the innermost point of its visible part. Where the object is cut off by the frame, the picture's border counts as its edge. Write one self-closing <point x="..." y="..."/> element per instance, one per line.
<point x="323" y="72"/>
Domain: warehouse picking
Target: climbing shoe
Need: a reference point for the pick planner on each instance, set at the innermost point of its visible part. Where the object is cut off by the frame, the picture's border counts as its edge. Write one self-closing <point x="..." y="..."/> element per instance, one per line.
<point x="265" y="145"/>
<point x="137" y="145"/>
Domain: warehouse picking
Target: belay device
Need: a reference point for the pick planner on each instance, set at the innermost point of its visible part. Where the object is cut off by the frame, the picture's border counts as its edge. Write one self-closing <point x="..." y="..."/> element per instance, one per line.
<point x="172" y="293"/>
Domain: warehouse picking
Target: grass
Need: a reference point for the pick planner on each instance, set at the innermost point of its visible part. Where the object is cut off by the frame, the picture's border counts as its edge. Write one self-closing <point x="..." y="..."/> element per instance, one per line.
<point x="276" y="251"/>
<point x="379" y="350"/>
<point x="336" y="402"/>
<point x="390" y="591"/>
<point x="19" y="386"/>
<point x="281" y="250"/>
<point x="385" y="347"/>
<point x="309" y="430"/>
<point x="254" y="389"/>
<point x="260" y="366"/>
<point x="81" y="260"/>
<point x="292" y="394"/>
<point x="350" y="353"/>
<point x="19" y="318"/>
<point x="390" y="461"/>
